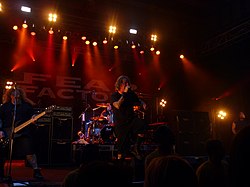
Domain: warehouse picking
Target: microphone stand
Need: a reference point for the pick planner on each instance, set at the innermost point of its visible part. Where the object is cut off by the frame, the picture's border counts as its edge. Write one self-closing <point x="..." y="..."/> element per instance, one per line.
<point x="11" y="140"/>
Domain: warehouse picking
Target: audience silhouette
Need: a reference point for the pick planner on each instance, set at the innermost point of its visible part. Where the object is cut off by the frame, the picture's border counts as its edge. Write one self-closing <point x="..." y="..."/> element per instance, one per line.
<point x="240" y="158"/>
<point x="165" y="140"/>
<point x="171" y="171"/>
<point x="214" y="171"/>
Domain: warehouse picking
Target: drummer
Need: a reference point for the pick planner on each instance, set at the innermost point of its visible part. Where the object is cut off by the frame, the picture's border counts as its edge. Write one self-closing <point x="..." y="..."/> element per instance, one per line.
<point x="107" y="114"/>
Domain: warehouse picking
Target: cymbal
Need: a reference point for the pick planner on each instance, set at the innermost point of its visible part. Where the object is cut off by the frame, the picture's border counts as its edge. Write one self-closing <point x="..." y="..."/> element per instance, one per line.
<point x="102" y="118"/>
<point x="102" y="104"/>
<point x="95" y="118"/>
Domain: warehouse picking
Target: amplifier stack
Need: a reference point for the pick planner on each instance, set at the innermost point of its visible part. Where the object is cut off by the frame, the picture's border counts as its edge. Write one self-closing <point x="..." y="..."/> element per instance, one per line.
<point x="54" y="137"/>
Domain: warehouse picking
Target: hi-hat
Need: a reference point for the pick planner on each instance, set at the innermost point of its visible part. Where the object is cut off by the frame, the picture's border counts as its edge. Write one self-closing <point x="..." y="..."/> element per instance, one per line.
<point x="102" y="104"/>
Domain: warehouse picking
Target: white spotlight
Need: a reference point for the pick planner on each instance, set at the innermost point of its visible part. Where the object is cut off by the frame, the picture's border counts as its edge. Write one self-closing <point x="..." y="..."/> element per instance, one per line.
<point x="25" y="9"/>
<point x="132" y="31"/>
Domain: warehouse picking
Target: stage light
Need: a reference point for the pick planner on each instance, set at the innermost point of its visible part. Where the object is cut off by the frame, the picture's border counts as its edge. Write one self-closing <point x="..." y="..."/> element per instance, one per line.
<point x="87" y="42"/>
<point x="33" y="33"/>
<point x="25" y="24"/>
<point x="163" y="103"/>
<point x="94" y="43"/>
<point x="112" y="29"/>
<point x="133" y="46"/>
<point x="152" y="49"/>
<point x="132" y="31"/>
<point x="116" y="47"/>
<point x="51" y="31"/>
<point x="84" y="37"/>
<point x="32" y="30"/>
<point x="25" y="9"/>
<point x="1" y="9"/>
<point x="65" y="37"/>
<point x="52" y="17"/>
<point x="157" y="52"/>
<point x="15" y="27"/>
<point x="181" y="56"/>
<point x="141" y="52"/>
<point x="222" y="114"/>
<point x="105" y="41"/>
<point x="9" y="85"/>
<point x="154" y="37"/>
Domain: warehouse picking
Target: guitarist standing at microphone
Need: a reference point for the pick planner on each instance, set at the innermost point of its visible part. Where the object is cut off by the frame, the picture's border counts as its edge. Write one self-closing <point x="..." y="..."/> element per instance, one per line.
<point x="23" y="143"/>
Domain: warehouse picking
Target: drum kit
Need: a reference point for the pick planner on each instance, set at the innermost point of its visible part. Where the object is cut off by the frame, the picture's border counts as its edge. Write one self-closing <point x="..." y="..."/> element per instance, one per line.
<point x="100" y="130"/>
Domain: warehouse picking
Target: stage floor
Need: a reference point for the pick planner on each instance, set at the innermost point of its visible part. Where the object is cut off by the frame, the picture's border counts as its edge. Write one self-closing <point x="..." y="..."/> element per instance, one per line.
<point x="53" y="176"/>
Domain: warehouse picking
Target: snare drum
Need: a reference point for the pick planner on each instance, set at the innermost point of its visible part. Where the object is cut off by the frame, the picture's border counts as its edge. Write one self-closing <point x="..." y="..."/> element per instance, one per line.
<point x="107" y="134"/>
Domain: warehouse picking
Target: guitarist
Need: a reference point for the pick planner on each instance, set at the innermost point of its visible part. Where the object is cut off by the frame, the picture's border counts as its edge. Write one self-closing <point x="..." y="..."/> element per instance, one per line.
<point x="22" y="144"/>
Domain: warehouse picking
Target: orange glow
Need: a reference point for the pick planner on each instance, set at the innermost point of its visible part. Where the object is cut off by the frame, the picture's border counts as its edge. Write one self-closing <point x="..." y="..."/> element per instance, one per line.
<point x="88" y="62"/>
<point x="64" y="58"/>
<point x="197" y="78"/>
<point x="49" y="57"/>
<point x="31" y="47"/>
<point x="20" y="54"/>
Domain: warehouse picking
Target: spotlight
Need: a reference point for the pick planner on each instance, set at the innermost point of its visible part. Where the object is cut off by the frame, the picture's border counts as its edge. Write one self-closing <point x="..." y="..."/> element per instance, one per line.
<point x="222" y="114"/>
<point x="132" y="31"/>
<point x="25" y="9"/>
<point x="8" y="85"/>
<point x="157" y="52"/>
<point x="112" y="29"/>
<point x="154" y="37"/>
<point x="25" y="24"/>
<point x="51" y="31"/>
<point x="105" y="41"/>
<point x="15" y="27"/>
<point x="163" y="103"/>
<point x="52" y="17"/>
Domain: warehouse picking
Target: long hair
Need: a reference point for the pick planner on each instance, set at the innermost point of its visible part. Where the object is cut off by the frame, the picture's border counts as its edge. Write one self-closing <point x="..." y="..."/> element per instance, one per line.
<point x="119" y="81"/>
<point x="7" y="96"/>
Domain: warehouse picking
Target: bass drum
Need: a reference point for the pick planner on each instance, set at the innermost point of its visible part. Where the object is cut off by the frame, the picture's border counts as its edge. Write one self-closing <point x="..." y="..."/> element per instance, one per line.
<point x="108" y="134"/>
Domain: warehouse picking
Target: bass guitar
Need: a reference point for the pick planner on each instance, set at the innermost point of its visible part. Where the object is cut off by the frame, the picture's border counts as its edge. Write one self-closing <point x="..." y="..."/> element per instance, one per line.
<point x="5" y="140"/>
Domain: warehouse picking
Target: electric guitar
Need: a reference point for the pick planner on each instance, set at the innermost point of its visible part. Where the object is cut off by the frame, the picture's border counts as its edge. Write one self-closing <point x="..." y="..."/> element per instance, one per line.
<point x="49" y="109"/>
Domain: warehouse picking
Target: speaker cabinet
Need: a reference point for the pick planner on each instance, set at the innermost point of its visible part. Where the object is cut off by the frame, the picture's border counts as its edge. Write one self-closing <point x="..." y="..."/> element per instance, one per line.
<point x="62" y="128"/>
<point x="193" y="130"/>
<point x="61" y="153"/>
<point x="43" y="139"/>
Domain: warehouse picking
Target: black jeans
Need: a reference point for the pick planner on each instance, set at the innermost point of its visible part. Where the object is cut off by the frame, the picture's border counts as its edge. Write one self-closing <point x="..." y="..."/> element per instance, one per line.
<point x="127" y="134"/>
